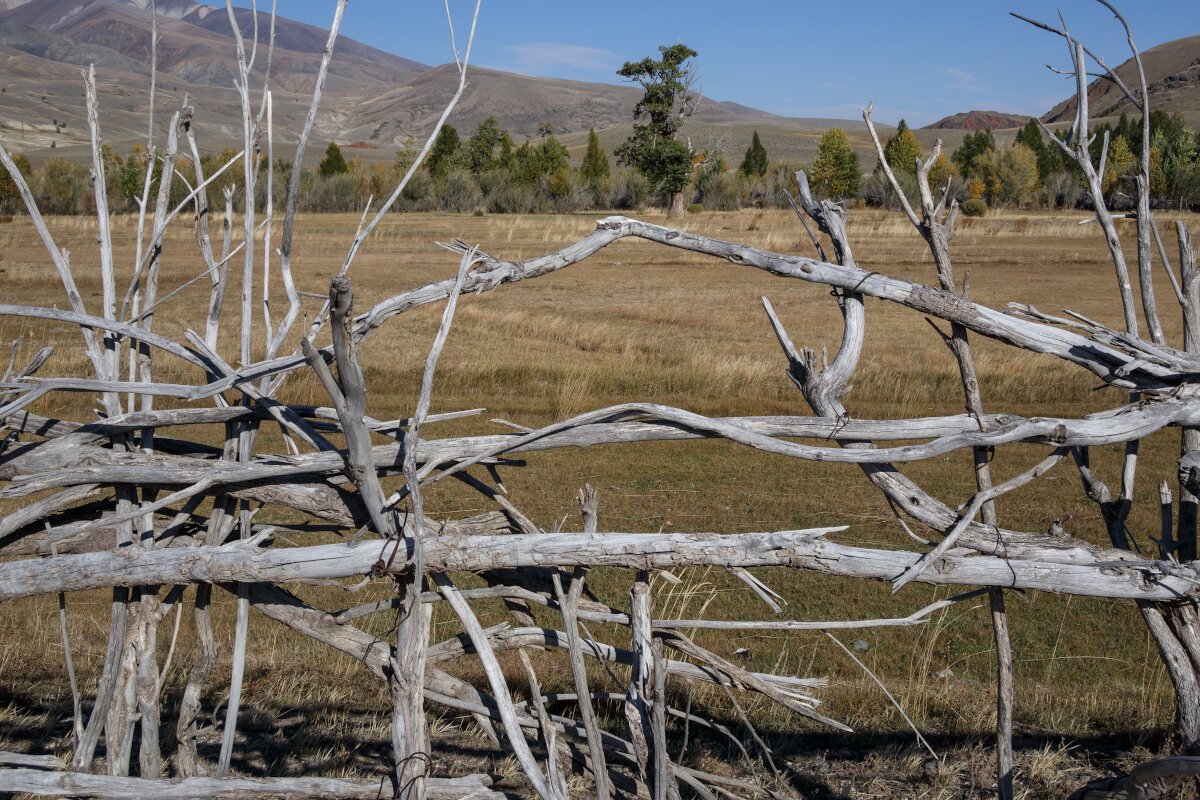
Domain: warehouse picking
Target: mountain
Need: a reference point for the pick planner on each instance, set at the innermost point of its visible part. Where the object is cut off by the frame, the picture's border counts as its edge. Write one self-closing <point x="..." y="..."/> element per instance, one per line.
<point x="518" y="102"/>
<point x="979" y="121"/>
<point x="371" y="97"/>
<point x="1172" y="78"/>
<point x="195" y="43"/>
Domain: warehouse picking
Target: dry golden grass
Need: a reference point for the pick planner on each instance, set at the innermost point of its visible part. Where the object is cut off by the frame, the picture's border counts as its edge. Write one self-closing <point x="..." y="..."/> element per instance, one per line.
<point x="643" y="322"/>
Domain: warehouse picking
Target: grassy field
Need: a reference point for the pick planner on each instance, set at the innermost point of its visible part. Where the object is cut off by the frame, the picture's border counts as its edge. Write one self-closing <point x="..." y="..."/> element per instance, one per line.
<point x="644" y="322"/>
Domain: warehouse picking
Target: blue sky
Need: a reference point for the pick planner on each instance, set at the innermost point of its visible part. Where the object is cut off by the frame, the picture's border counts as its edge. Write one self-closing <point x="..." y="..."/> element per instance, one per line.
<point x="920" y="60"/>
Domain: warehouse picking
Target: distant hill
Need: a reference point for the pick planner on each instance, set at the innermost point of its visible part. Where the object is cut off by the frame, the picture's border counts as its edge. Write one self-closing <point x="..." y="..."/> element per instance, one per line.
<point x="979" y="121"/>
<point x="371" y="97"/>
<point x="1172" y="78"/>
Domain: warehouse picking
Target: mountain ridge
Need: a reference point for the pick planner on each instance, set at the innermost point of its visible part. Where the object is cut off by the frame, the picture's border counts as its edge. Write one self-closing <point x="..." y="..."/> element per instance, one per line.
<point x="373" y="97"/>
<point x="1172" y="80"/>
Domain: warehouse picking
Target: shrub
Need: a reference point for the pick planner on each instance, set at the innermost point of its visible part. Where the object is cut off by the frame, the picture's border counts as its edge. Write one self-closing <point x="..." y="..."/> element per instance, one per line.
<point x="695" y="208"/>
<point x="63" y="188"/>
<point x="512" y="199"/>
<point x="631" y="190"/>
<point x="461" y="192"/>
<point x="974" y="207"/>
<point x="719" y="191"/>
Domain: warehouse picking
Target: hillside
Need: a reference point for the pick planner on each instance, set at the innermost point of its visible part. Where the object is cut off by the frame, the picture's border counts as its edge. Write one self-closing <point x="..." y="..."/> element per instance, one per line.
<point x="978" y="121"/>
<point x="1172" y="78"/>
<point x="371" y="96"/>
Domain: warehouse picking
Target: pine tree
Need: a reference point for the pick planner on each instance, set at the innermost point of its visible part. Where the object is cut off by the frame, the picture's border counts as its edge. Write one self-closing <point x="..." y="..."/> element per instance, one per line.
<point x="973" y="145"/>
<point x="333" y="163"/>
<point x="903" y="150"/>
<point x="444" y="153"/>
<point x="755" y="162"/>
<point x="835" y="171"/>
<point x="595" y="168"/>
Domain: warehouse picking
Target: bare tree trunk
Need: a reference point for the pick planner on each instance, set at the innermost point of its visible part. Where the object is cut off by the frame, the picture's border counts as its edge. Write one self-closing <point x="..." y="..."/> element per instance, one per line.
<point x="678" y="204"/>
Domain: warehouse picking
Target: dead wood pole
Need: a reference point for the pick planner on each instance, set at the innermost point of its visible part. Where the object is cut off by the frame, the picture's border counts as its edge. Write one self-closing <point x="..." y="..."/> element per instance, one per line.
<point x="1190" y="436"/>
<point x="246" y="432"/>
<point x="250" y="561"/>
<point x="664" y="784"/>
<point x="106" y="367"/>
<point x="936" y="226"/>
<point x="45" y="782"/>
<point x="569" y="606"/>
<point x="1004" y="695"/>
<point x="277" y="336"/>
<point x="410" y="739"/>
<point x="499" y="686"/>
<point x="637" y="695"/>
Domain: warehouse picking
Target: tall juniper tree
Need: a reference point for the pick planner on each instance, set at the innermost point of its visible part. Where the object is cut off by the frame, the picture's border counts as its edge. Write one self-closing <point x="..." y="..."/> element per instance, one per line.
<point x="654" y="149"/>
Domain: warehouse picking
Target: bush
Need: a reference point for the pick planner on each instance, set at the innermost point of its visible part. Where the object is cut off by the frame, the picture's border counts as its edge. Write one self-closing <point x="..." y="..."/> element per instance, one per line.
<point x="512" y="199"/>
<point x="631" y="190"/>
<point x="461" y="192"/>
<point x="417" y="193"/>
<point x="877" y="189"/>
<point x="719" y="191"/>
<point x="974" y="208"/>
<point x="695" y="208"/>
<point x="63" y="188"/>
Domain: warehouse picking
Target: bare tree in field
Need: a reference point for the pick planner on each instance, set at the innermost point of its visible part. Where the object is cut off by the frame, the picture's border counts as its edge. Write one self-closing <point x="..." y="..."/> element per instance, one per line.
<point x="116" y="503"/>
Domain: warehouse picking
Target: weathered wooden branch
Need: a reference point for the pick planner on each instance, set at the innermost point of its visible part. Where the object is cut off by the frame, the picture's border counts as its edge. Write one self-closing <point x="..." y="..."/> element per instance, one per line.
<point x="248" y="561"/>
<point x="51" y="784"/>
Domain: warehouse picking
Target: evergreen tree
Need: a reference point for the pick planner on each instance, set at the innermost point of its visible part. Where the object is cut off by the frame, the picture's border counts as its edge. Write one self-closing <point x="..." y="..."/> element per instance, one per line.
<point x="505" y="159"/>
<point x="333" y="163"/>
<point x="549" y="160"/>
<point x="595" y="168"/>
<point x="653" y="149"/>
<point x="444" y="153"/>
<point x="755" y="162"/>
<point x="1175" y="159"/>
<point x="903" y="150"/>
<point x="1048" y="158"/>
<point x="481" y="147"/>
<point x="1031" y="136"/>
<point x="835" y="171"/>
<point x="973" y="145"/>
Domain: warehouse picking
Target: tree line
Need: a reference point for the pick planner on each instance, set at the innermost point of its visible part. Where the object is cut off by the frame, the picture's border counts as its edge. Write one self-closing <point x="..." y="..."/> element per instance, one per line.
<point x="1033" y="170"/>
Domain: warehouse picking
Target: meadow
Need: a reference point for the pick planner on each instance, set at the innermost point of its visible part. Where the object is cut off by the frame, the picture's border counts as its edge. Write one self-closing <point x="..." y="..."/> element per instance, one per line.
<point x="643" y="322"/>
